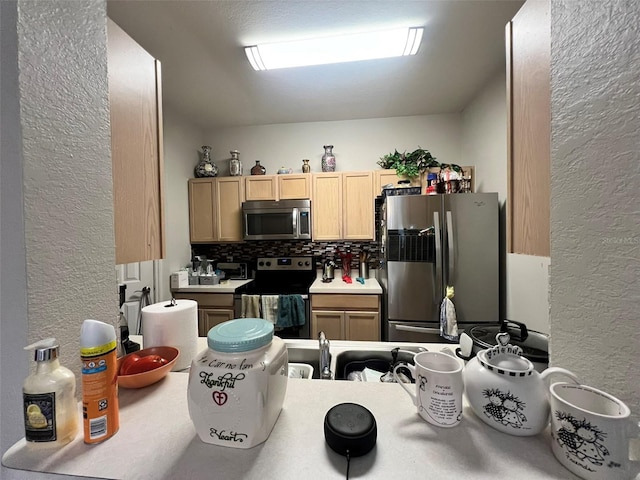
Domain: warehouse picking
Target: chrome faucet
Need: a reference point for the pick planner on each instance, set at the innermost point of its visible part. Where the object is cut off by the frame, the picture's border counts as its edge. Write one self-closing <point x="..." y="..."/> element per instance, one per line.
<point x="325" y="357"/>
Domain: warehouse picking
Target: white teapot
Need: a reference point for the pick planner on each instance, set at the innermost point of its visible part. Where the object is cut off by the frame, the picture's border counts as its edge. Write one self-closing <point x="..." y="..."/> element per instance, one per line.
<point x="506" y="392"/>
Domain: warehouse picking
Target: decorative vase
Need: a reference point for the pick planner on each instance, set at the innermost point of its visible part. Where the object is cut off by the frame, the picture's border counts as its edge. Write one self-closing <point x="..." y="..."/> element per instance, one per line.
<point x="235" y="165"/>
<point x="206" y="167"/>
<point x="306" y="168"/>
<point x="328" y="159"/>
<point x="258" y="169"/>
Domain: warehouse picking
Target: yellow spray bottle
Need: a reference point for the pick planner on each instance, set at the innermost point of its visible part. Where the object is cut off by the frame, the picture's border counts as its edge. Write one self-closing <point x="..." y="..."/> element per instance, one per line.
<point x="98" y="352"/>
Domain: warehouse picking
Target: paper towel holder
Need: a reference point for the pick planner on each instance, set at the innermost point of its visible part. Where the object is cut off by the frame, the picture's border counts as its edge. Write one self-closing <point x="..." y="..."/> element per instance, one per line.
<point x="172" y="304"/>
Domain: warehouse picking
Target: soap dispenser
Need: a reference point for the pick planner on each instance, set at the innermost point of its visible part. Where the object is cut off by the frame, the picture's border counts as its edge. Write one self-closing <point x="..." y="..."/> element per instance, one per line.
<point x="49" y="398"/>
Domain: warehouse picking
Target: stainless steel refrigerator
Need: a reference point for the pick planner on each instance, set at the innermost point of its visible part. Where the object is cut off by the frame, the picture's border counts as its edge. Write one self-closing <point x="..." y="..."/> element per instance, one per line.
<point x="429" y="242"/>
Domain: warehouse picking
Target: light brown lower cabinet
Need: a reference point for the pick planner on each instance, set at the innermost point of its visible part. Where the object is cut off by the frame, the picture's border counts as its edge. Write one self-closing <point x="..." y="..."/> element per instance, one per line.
<point x="213" y="308"/>
<point x="346" y="317"/>
<point x="210" y="317"/>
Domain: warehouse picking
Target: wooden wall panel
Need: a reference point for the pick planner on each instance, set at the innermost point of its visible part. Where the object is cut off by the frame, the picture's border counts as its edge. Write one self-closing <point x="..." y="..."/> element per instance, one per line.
<point x="529" y="137"/>
<point x="136" y="111"/>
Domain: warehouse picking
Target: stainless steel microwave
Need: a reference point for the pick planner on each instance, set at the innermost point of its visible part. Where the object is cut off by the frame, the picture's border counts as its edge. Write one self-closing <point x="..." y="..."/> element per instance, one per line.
<point x="276" y="220"/>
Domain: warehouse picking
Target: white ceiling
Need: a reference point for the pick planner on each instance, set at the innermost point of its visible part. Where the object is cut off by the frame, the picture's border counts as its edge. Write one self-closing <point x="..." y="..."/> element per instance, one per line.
<point x="207" y="77"/>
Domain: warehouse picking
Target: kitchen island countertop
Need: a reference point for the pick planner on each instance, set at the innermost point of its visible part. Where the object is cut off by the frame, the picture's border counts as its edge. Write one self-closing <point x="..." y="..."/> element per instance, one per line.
<point x="158" y="441"/>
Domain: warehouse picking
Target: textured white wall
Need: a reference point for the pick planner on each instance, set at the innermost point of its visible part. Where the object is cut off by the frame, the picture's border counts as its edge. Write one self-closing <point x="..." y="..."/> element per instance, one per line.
<point x="595" y="193"/>
<point x="67" y="185"/>
<point x="359" y="144"/>
<point x="68" y="202"/>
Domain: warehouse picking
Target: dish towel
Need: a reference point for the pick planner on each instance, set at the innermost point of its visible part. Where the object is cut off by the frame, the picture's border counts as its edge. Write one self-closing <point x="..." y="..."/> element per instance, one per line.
<point x="290" y="311"/>
<point x="250" y="306"/>
<point x="448" y="320"/>
<point x="270" y="307"/>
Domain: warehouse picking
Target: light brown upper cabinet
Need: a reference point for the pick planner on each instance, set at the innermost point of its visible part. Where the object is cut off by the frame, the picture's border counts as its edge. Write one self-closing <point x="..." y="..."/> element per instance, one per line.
<point x="278" y="187"/>
<point x="327" y="206"/>
<point x="135" y="99"/>
<point x="357" y="206"/>
<point x="261" y="187"/>
<point x="229" y="197"/>
<point x="202" y="211"/>
<point x="343" y="207"/>
<point x="294" y="186"/>
<point x="215" y="209"/>
<point x="385" y="177"/>
<point x="528" y="42"/>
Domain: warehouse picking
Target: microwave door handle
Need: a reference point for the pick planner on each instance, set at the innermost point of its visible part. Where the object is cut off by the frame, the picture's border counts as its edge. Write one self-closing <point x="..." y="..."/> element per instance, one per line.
<point x="450" y="238"/>
<point x="438" y="294"/>
<point x="296" y="233"/>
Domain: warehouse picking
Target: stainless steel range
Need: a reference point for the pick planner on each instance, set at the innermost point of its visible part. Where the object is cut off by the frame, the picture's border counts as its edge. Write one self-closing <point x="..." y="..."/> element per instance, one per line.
<point x="281" y="276"/>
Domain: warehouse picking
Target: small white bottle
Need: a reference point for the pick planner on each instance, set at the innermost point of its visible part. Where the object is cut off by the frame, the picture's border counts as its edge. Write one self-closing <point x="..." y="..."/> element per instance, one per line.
<point x="49" y="399"/>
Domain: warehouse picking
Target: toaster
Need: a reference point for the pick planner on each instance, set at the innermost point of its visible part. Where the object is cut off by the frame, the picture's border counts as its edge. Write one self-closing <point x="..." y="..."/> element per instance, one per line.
<point x="234" y="270"/>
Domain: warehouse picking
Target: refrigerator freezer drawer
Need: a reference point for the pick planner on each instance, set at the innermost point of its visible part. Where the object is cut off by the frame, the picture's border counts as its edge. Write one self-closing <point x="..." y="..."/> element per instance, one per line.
<point x="414" y="332"/>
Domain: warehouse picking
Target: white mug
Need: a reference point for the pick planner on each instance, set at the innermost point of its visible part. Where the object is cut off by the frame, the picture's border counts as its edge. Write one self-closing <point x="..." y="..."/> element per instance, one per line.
<point x="590" y="433"/>
<point x="438" y="388"/>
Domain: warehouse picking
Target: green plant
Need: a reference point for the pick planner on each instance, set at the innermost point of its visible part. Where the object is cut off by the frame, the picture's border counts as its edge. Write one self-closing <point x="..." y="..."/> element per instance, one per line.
<point x="452" y="166"/>
<point x="409" y="164"/>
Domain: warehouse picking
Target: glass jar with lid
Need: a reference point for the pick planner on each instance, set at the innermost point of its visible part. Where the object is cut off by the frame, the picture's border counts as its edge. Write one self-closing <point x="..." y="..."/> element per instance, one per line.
<point x="237" y="385"/>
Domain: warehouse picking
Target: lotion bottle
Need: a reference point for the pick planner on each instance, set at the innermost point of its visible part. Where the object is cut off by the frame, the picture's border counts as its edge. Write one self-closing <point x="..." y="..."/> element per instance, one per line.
<point x="49" y="399"/>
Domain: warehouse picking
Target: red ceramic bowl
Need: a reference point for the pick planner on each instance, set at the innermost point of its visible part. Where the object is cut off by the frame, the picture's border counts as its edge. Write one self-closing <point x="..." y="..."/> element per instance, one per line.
<point x="145" y="379"/>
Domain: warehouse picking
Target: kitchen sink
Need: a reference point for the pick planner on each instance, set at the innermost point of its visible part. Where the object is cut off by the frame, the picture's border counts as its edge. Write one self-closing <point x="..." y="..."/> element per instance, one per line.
<point x="310" y="356"/>
<point x="357" y="360"/>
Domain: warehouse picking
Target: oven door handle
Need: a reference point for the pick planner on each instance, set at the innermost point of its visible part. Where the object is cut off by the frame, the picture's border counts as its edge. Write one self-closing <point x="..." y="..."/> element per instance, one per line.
<point x="238" y="296"/>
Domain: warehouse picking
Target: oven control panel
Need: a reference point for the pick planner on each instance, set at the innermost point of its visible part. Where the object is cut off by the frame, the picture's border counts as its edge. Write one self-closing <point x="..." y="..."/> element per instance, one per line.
<point x="286" y="263"/>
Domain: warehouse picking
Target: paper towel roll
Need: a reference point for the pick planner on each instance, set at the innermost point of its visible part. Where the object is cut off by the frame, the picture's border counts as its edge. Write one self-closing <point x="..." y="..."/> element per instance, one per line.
<point x="174" y="325"/>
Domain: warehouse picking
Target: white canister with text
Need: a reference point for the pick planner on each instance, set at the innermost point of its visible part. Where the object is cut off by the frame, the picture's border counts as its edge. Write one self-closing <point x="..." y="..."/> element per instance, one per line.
<point x="237" y="385"/>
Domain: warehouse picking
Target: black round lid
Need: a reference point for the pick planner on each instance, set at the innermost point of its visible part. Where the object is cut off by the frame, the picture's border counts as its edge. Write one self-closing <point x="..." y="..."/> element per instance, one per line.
<point x="350" y="428"/>
<point x="535" y="345"/>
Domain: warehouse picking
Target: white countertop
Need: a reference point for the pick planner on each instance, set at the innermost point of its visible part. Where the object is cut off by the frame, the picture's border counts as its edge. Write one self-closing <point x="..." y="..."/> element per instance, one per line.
<point x="338" y="286"/>
<point x="229" y="287"/>
<point x="153" y="444"/>
<point x="158" y="441"/>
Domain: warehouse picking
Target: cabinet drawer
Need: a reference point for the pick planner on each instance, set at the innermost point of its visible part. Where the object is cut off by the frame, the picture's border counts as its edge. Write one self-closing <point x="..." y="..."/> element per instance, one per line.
<point x="345" y="302"/>
<point x="208" y="299"/>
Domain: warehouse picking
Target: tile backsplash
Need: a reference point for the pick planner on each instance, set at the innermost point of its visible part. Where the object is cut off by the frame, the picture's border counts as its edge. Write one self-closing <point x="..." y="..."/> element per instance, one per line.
<point x="249" y="251"/>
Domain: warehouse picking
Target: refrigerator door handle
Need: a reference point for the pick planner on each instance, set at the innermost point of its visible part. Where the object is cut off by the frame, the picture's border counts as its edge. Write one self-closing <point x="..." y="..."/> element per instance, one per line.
<point x="438" y="280"/>
<point x="452" y="263"/>
<point x="410" y="328"/>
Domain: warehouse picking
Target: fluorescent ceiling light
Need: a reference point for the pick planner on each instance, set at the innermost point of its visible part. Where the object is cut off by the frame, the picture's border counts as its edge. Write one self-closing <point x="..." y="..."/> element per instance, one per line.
<point x="337" y="49"/>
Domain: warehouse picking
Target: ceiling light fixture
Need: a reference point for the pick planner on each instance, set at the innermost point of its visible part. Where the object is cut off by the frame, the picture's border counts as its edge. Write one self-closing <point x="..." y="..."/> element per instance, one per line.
<point x="338" y="49"/>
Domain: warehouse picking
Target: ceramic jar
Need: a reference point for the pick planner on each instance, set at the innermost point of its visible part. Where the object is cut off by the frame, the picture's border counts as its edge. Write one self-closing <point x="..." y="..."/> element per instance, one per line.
<point x="206" y="167"/>
<point x="306" y="168"/>
<point x="237" y="385"/>
<point x="258" y="169"/>
<point x="328" y="159"/>
<point x="506" y="392"/>
<point x="235" y="165"/>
